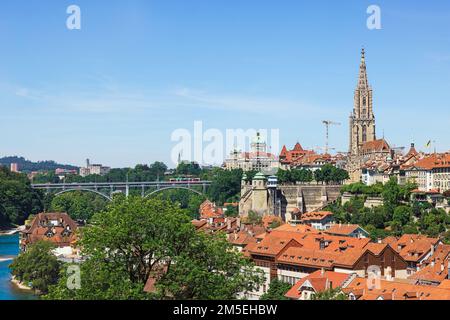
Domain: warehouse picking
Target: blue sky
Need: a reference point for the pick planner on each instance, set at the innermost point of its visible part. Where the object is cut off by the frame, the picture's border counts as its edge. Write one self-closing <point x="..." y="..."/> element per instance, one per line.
<point x="115" y="90"/>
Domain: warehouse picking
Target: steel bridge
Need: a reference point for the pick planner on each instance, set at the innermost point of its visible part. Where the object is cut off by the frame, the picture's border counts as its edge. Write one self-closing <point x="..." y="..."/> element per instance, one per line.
<point x="108" y="189"/>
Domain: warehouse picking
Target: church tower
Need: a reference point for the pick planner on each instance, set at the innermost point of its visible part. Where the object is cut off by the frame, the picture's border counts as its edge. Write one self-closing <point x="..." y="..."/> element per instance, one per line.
<point x="362" y="119"/>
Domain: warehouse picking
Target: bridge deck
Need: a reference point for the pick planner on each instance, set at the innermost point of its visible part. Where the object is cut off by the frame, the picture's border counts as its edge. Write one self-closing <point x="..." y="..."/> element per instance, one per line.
<point x="118" y="184"/>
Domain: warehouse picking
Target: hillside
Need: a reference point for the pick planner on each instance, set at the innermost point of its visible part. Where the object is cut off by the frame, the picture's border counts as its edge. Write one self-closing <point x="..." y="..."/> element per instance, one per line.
<point x="29" y="166"/>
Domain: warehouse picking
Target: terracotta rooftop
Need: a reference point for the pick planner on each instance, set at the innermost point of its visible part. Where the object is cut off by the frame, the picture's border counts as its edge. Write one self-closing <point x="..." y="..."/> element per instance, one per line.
<point x="375" y="146"/>
<point x="316" y="216"/>
<point x="412" y="247"/>
<point x="342" y="229"/>
<point x="395" y="290"/>
<point x="56" y="227"/>
<point x="320" y="282"/>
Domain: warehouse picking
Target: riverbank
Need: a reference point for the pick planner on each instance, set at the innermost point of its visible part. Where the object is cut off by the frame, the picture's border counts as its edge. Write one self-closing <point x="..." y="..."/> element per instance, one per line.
<point x="9" y="290"/>
<point x="20" y="285"/>
<point x="9" y="232"/>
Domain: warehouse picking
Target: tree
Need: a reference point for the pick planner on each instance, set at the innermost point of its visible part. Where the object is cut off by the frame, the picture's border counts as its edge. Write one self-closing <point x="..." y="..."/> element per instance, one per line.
<point x="391" y="196"/>
<point x="225" y="185"/>
<point x="136" y="238"/>
<point x="330" y="294"/>
<point x="402" y="215"/>
<point x="17" y="199"/>
<point x="187" y="200"/>
<point x="284" y="176"/>
<point x="232" y="211"/>
<point x="79" y="205"/>
<point x="37" y="266"/>
<point x="189" y="168"/>
<point x="277" y="290"/>
<point x="254" y="218"/>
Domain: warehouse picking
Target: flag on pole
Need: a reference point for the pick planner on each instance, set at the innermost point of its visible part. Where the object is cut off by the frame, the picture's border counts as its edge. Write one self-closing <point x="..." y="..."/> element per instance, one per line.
<point x="428" y="144"/>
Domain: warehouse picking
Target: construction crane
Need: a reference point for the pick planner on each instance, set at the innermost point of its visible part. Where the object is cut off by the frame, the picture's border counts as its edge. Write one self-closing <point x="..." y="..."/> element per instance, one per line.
<point x="327" y="124"/>
<point x="323" y="149"/>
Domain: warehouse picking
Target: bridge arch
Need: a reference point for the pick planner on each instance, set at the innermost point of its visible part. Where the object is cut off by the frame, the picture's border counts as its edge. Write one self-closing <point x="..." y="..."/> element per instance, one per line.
<point x="171" y="188"/>
<point x="85" y="190"/>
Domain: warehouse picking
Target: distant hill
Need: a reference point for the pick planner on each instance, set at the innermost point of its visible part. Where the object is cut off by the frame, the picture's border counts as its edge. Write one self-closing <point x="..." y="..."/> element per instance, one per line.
<point x="29" y="166"/>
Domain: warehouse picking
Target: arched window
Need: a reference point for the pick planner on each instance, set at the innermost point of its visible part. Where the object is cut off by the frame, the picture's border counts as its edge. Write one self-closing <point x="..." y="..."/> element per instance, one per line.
<point x="364" y="133"/>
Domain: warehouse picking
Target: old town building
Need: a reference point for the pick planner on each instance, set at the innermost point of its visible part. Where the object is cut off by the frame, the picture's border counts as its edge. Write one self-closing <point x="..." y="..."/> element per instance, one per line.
<point x="56" y="227"/>
<point x="258" y="159"/>
<point x="363" y="143"/>
<point x="290" y="254"/>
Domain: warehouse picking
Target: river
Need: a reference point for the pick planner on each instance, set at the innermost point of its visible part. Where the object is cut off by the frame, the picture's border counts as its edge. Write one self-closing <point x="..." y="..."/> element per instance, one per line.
<point x="9" y="246"/>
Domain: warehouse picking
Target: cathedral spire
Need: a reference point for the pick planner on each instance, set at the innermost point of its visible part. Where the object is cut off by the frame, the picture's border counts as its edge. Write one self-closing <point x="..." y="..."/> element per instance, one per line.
<point x="362" y="120"/>
<point x="363" y="81"/>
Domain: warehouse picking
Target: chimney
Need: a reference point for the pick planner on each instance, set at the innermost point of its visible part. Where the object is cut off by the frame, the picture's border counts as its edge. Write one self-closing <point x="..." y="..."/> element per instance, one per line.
<point x="432" y="263"/>
<point x="432" y="249"/>
<point x="442" y="267"/>
<point x="322" y="272"/>
<point x="238" y="222"/>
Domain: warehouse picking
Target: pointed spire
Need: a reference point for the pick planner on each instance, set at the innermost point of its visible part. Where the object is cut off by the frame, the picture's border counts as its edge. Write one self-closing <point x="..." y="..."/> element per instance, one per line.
<point x="363" y="81"/>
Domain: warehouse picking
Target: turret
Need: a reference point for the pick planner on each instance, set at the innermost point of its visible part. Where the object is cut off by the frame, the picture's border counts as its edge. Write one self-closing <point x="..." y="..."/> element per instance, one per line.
<point x="259" y="181"/>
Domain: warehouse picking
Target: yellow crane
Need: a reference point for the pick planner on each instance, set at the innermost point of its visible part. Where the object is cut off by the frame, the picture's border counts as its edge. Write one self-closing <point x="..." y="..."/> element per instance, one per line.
<point x="327" y="124"/>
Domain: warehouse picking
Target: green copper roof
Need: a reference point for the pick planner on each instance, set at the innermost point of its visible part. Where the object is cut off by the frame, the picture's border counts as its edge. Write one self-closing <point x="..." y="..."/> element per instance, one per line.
<point x="259" y="176"/>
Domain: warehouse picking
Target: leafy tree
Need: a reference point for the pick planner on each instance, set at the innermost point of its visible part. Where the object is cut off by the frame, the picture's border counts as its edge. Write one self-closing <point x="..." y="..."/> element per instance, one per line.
<point x="250" y="175"/>
<point x="231" y="211"/>
<point x="37" y="266"/>
<point x="277" y="290"/>
<point x="376" y="217"/>
<point x="319" y="176"/>
<point x="79" y="205"/>
<point x="375" y="233"/>
<point x="391" y="196"/>
<point x="402" y="215"/>
<point x="225" y="185"/>
<point x="189" y="168"/>
<point x="330" y="294"/>
<point x="284" y="176"/>
<point x="137" y="238"/>
<point x="187" y="200"/>
<point x="275" y="224"/>
<point x="254" y="218"/>
<point x="17" y="198"/>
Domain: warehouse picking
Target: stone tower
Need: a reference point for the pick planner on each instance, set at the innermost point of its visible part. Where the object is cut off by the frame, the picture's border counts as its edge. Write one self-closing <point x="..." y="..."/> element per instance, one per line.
<point x="362" y="119"/>
<point x="260" y="194"/>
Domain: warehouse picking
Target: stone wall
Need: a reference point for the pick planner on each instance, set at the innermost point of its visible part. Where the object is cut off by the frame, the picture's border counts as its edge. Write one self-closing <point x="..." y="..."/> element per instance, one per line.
<point x="285" y="198"/>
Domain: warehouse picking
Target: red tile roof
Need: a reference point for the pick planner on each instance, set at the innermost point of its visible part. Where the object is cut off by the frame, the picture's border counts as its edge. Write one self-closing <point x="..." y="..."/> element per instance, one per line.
<point x="412" y="247"/>
<point x="55" y="227"/>
<point x="342" y="229"/>
<point x="395" y="290"/>
<point x="320" y="282"/>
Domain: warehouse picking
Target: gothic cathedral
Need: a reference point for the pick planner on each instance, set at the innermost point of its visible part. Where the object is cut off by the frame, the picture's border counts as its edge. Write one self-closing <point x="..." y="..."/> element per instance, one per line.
<point x="362" y="119"/>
